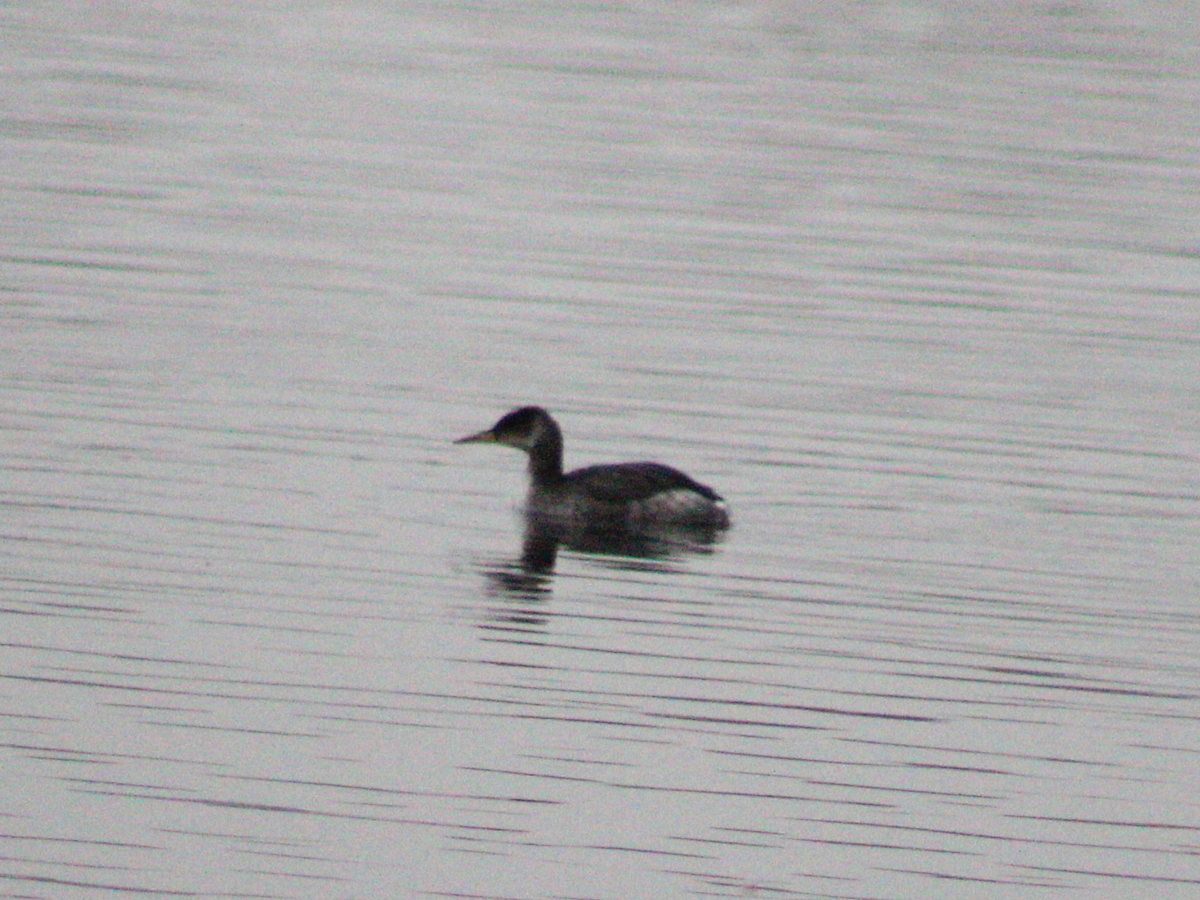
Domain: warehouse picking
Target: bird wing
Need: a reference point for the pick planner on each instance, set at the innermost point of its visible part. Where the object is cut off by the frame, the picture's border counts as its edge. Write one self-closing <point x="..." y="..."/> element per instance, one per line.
<point x="635" y="481"/>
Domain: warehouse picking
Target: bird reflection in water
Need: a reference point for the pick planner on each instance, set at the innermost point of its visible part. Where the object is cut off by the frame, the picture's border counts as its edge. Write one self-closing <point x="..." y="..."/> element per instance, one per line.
<point x="525" y="581"/>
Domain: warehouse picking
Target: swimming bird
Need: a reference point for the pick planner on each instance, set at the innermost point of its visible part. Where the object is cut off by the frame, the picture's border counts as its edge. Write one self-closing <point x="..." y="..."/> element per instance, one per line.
<point x="632" y="495"/>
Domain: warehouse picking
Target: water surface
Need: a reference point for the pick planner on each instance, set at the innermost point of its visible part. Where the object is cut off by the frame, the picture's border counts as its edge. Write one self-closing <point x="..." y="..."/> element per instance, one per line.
<point x="912" y="285"/>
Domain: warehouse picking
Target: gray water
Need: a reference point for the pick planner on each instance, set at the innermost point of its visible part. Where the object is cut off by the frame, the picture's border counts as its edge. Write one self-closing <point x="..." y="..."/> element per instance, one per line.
<point x="914" y="285"/>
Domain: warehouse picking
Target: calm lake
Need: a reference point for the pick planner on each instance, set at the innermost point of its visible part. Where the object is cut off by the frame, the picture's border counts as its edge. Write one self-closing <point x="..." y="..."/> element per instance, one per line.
<point x="914" y="285"/>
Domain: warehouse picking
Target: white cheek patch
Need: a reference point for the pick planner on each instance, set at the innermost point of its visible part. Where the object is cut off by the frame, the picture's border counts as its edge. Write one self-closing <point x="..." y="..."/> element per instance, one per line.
<point x="527" y="440"/>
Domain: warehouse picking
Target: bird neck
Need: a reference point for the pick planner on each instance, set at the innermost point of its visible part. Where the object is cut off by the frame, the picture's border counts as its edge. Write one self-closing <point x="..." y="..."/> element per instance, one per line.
<point x="546" y="454"/>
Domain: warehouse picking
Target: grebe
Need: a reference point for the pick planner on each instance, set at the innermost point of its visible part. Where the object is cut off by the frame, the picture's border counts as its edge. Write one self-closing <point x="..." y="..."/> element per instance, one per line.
<point x="626" y="495"/>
